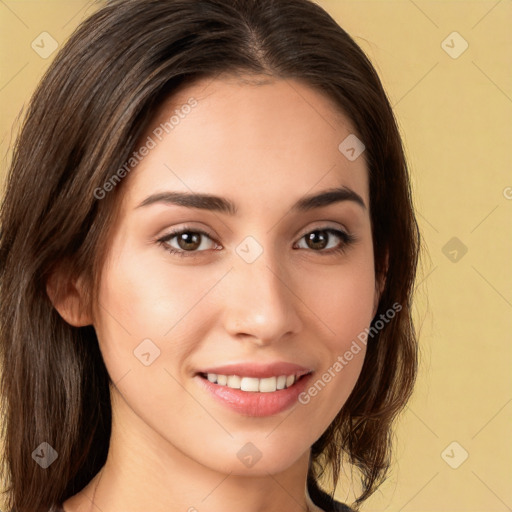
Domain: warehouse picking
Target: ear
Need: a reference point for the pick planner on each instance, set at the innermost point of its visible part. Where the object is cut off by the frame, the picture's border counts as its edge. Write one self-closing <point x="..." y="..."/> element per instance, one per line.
<point x="68" y="298"/>
<point x="380" y="283"/>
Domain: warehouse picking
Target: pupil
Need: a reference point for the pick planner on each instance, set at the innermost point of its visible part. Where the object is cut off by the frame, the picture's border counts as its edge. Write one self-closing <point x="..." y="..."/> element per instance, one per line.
<point x="189" y="241"/>
<point x="317" y="240"/>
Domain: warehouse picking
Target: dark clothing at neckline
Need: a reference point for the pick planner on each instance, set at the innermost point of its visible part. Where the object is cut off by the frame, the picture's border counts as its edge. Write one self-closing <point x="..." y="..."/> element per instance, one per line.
<point x="323" y="500"/>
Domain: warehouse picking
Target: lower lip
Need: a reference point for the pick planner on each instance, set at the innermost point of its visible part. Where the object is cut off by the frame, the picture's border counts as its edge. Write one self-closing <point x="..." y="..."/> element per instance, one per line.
<point x="255" y="403"/>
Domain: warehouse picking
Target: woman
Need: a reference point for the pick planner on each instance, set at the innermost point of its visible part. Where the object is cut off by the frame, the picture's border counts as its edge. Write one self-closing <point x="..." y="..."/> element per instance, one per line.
<point x="208" y="249"/>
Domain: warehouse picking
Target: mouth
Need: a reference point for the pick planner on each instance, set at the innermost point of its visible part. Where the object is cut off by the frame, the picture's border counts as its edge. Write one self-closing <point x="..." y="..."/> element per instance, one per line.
<point x="254" y="384"/>
<point x="255" y="390"/>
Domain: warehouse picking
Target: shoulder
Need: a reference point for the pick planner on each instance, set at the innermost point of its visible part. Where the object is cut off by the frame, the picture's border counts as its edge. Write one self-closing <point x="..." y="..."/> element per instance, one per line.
<point x="323" y="500"/>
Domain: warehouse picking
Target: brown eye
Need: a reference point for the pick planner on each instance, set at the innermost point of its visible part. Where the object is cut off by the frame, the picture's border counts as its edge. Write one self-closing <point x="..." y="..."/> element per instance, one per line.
<point x="326" y="240"/>
<point x="189" y="241"/>
<point x="317" y="240"/>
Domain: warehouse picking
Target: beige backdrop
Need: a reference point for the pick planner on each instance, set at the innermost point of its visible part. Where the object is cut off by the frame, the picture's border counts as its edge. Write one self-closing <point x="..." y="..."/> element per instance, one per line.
<point x="447" y="68"/>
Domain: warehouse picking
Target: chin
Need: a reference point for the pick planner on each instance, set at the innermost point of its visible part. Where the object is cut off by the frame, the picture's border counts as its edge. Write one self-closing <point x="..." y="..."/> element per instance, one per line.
<point x="258" y="457"/>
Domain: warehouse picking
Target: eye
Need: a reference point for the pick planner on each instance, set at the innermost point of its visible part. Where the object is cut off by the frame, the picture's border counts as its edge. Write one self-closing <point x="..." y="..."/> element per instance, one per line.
<point x="327" y="240"/>
<point x="187" y="241"/>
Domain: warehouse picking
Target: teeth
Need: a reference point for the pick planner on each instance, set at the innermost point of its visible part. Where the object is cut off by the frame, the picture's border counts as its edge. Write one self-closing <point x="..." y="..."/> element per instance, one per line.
<point x="290" y="380"/>
<point x="248" y="384"/>
<point x="234" y="381"/>
<point x="268" y="385"/>
<point x="252" y="384"/>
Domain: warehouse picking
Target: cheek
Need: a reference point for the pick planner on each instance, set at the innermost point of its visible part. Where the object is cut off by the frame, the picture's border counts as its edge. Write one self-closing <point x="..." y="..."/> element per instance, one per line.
<point x="151" y="317"/>
<point x="343" y="298"/>
<point x="144" y="296"/>
<point x="343" y="302"/>
<point x="148" y="306"/>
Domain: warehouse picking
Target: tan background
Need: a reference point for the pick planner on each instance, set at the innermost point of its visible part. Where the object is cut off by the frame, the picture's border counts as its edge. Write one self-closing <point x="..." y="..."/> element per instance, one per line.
<point x="455" y="114"/>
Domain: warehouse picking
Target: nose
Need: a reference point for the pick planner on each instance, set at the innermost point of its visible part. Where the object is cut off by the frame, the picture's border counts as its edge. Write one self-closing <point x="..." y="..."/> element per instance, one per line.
<point x="261" y="303"/>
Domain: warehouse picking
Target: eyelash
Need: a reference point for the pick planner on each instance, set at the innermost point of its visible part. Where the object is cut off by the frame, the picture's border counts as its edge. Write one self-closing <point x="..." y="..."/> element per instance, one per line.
<point x="346" y="240"/>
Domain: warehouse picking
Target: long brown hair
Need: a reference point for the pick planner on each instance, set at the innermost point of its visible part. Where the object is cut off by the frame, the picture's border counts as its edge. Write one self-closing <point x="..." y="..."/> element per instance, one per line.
<point x="83" y="122"/>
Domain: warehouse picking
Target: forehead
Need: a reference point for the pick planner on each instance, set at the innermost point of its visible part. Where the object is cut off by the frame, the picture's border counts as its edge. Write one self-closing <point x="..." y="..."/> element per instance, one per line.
<point x="249" y="138"/>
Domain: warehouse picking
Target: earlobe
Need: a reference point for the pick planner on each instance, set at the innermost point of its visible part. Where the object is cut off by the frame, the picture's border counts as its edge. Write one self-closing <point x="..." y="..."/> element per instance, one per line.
<point x="67" y="297"/>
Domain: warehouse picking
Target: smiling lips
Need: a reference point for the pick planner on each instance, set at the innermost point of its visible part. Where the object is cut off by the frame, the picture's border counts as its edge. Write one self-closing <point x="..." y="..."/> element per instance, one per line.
<point x="253" y="384"/>
<point x="256" y="390"/>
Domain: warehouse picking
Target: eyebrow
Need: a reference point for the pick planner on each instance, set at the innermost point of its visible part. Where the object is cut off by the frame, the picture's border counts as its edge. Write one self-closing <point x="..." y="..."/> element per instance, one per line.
<point x="223" y="205"/>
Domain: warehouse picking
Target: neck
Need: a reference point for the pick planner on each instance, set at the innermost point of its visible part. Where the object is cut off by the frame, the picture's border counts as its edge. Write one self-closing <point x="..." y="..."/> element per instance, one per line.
<point x="143" y="471"/>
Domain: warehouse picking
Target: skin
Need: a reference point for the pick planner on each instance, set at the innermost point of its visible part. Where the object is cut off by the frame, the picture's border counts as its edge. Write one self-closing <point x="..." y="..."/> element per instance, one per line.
<point x="263" y="147"/>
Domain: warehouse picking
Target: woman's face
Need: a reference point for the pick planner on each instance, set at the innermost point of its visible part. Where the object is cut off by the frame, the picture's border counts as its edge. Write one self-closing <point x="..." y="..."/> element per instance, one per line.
<point x="263" y="283"/>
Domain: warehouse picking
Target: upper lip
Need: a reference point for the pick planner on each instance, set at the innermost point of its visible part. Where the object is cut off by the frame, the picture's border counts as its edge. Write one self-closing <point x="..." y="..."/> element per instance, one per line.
<point x="258" y="370"/>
